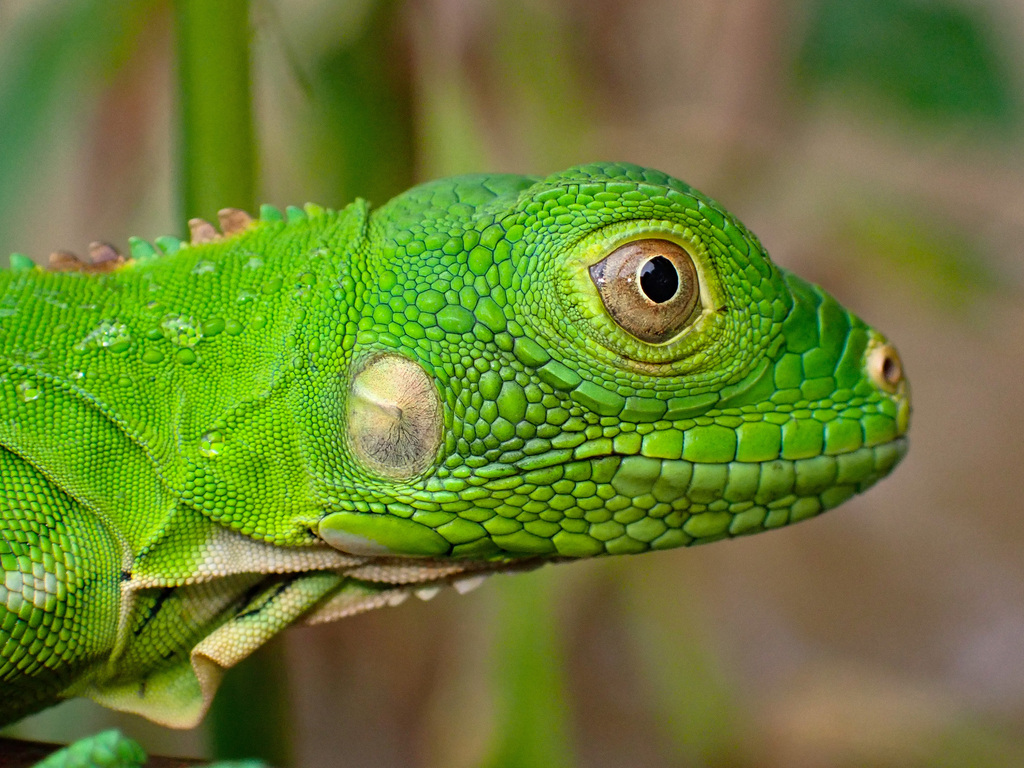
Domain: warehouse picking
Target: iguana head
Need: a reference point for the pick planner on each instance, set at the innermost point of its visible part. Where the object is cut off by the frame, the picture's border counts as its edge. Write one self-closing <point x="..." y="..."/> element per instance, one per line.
<point x="601" y="362"/>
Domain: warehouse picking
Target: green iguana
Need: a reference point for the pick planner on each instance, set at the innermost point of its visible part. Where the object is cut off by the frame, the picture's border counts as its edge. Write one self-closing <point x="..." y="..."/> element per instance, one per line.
<point x="321" y="412"/>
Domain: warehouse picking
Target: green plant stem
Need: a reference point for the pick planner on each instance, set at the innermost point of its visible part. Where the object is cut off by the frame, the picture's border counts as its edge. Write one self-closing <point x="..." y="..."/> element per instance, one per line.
<point x="217" y="148"/>
<point x="217" y="165"/>
<point x="532" y="717"/>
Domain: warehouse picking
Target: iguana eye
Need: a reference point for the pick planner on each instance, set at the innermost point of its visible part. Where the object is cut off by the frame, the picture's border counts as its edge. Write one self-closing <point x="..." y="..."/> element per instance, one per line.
<point x="649" y="288"/>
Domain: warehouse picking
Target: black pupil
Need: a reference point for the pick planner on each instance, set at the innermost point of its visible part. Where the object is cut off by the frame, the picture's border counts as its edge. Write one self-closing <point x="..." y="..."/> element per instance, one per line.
<point x="659" y="280"/>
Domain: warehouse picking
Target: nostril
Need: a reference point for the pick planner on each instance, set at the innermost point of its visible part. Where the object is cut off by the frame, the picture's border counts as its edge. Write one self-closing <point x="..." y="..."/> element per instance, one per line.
<point x="885" y="367"/>
<point x="891" y="370"/>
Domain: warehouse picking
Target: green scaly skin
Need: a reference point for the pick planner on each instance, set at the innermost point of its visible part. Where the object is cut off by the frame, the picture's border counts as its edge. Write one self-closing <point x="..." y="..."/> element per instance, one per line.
<point x="325" y="411"/>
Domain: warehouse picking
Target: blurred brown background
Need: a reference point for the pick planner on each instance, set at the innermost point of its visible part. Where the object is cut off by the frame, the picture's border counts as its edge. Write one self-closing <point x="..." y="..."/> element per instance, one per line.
<point x="875" y="146"/>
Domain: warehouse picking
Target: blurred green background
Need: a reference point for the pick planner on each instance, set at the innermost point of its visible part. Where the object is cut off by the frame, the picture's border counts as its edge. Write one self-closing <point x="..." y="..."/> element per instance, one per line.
<point x="877" y="148"/>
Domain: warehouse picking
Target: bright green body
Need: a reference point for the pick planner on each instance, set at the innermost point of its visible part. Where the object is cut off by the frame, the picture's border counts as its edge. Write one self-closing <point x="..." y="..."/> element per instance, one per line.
<point x="181" y="473"/>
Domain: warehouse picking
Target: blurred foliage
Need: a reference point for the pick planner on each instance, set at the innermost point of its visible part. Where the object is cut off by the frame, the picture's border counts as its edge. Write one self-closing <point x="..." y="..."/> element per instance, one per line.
<point x="692" y="697"/>
<point x="943" y="265"/>
<point x="532" y="723"/>
<point x="251" y="714"/>
<point x="217" y="149"/>
<point x="935" y="59"/>
<point x="64" y="55"/>
<point x="545" y="100"/>
<point x="360" y="91"/>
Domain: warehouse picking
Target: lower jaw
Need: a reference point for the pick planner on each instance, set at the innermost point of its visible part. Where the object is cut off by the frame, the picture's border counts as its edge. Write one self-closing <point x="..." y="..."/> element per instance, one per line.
<point x="651" y="504"/>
